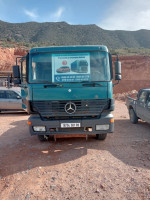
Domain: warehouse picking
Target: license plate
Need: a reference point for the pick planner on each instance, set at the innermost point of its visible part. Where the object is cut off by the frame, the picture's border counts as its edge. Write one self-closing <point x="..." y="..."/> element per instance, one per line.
<point x="70" y="125"/>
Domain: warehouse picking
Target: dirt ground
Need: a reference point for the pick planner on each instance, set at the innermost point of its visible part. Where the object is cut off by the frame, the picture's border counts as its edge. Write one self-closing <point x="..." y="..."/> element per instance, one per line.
<point x="73" y="168"/>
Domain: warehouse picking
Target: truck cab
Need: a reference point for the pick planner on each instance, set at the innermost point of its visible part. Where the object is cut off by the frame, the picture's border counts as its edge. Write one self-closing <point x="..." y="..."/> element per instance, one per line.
<point x="139" y="108"/>
<point x="73" y="101"/>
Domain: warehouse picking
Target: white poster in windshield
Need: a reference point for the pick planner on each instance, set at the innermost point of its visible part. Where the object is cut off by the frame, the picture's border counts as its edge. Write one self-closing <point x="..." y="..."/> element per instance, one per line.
<point x="71" y="67"/>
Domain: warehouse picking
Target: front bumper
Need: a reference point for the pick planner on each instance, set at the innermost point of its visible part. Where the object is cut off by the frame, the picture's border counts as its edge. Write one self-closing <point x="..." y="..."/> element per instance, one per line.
<point x="53" y="127"/>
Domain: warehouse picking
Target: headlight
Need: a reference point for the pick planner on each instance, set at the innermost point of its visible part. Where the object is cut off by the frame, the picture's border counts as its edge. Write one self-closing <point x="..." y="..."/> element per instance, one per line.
<point x="102" y="127"/>
<point x="39" y="128"/>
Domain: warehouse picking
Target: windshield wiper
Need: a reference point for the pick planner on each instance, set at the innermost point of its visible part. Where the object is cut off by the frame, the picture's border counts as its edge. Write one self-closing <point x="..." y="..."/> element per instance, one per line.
<point x="52" y="84"/>
<point x="86" y="83"/>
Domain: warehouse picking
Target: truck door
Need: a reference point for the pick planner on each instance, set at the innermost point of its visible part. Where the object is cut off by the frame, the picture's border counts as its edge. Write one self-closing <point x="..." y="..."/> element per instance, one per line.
<point x="147" y="109"/>
<point x="141" y="103"/>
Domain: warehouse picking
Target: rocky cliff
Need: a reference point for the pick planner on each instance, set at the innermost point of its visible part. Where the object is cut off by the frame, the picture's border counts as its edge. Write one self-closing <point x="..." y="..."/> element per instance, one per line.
<point x="8" y="57"/>
<point x="135" y="73"/>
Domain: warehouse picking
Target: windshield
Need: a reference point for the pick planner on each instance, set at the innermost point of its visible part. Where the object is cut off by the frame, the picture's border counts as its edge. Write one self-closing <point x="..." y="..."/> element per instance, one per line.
<point x="69" y="67"/>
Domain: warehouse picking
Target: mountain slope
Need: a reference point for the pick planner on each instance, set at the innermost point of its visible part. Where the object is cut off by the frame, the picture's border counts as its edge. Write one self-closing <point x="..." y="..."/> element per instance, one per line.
<point x="61" y="33"/>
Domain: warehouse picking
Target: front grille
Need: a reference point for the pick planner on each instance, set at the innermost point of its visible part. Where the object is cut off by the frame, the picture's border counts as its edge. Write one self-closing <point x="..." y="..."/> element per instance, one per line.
<point x="57" y="108"/>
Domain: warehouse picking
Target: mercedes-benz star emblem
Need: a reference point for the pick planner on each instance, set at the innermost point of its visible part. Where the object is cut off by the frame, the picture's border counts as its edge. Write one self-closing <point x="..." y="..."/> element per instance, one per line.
<point x="70" y="108"/>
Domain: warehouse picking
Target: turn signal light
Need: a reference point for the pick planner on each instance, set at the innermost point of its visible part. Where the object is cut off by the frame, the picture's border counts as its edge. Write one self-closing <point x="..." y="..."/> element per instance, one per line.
<point x="112" y="120"/>
<point x="29" y="123"/>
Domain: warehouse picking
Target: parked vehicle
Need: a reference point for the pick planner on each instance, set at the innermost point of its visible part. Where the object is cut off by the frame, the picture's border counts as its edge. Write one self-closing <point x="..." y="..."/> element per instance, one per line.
<point x="10" y="100"/>
<point x="80" y="104"/>
<point x="79" y="66"/>
<point x="139" y="108"/>
<point x="63" y="69"/>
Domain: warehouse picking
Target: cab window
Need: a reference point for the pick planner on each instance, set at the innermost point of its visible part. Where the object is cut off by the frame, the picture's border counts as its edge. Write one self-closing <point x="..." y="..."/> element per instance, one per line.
<point x="2" y="94"/>
<point x="142" y="97"/>
<point x="23" y="70"/>
<point x="148" y="101"/>
<point x="11" y="95"/>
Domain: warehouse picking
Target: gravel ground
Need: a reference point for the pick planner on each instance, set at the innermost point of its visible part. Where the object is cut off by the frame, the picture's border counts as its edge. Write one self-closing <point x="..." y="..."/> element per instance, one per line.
<point x="73" y="168"/>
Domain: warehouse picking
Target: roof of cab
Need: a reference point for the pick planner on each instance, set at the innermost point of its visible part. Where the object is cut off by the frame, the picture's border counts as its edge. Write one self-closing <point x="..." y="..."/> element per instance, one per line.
<point x="70" y="48"/>
<point x="147" y="89"/>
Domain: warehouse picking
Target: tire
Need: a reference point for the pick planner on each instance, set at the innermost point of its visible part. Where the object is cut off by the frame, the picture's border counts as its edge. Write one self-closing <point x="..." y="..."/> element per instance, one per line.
<point x="133" y="116"/>
<point x="51" y="137"/>
<point x="101" y="136"/>
<point x="43" y="138"/>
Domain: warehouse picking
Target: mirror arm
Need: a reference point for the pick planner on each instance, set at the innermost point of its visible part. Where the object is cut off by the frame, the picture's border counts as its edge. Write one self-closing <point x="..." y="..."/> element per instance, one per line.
<point x="116" y="83"/>
<point x="17" y="59"/>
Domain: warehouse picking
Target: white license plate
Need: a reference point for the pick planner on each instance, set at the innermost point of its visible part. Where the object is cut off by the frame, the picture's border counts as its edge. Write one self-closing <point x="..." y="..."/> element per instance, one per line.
<point x="70" y="125"/>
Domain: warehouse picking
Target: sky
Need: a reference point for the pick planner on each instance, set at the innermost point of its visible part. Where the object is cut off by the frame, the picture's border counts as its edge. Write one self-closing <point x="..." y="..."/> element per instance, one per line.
<point x="108" y="14"/>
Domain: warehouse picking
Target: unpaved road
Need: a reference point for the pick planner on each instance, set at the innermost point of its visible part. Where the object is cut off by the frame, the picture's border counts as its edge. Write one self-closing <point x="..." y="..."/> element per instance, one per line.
<point x="73" y="168"/>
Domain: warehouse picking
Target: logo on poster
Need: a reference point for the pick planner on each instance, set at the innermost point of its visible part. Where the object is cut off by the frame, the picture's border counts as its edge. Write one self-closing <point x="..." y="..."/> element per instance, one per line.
<point x="64" y="62"/>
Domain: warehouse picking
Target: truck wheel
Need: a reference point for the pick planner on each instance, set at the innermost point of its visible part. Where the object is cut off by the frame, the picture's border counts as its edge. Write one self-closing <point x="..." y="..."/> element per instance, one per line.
<point x="133" y="116"/>
<point x="43" y="138"/>
<point x="101" y="136"/>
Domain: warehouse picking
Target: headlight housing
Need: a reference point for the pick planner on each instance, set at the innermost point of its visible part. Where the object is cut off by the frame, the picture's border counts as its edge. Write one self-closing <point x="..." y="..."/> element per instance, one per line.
<point x="39" y="128"/>
<point x="103" y="127"/>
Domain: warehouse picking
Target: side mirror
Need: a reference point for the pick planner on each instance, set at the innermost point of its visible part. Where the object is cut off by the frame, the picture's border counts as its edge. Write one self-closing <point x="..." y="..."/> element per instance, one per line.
<point x="16" y="71"/>
<point x="117" y="77"/>
<point x="18" y="97"/>
<point x="117" y="70"/>
<point x="16" y="75"/>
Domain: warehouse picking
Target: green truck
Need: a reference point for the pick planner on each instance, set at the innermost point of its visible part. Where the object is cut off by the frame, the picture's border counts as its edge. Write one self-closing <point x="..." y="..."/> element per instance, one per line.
<point x="70" y="102"/>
